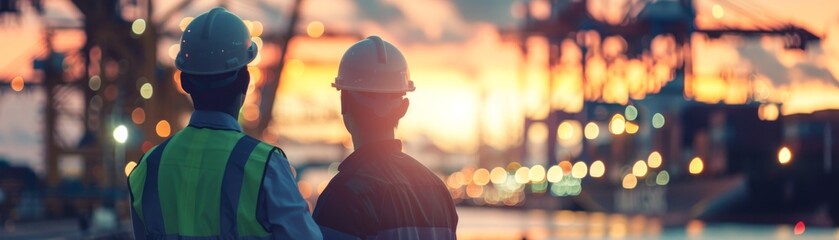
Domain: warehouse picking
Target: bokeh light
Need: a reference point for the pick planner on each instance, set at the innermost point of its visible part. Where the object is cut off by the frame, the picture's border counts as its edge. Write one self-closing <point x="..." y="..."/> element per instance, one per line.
<point x="537" y="174"/>
<point x="662" y="178"/>
<point x="95" y="83"/>
<point x="632" y="128"/>
<point x="784" y="155"/>
<point x="579" y="170"/>
<point x="617" y="125"/>
<point x="597" y="169"/>
<point x="555" y="174"/>
<point x="565" y="131"/>
<point x="146" y="90"/>
<point x="717" y="11"/>
<point x="592" y="131"/>
<point x="523" y="175"/>
<point x="481" y="177"/>
<point x="315" y="29"/>
<point x="129" y="167"/>
<point x="639" y="169"/>
<point x="185" y="22"/>
<point x="163" y="129"/>
<point x="138" y="26"/>
<point x="17" y="84"/>
<point x="696" y="166"/>
<point x="658" y="120"/>
<point x="138" y="115"/>
<point x="498" y="175"/>
<point x="120" y="134"/>
<point x="631" y="113"/>
<point x="654" y="160"/>
<point x="629" y="181"/>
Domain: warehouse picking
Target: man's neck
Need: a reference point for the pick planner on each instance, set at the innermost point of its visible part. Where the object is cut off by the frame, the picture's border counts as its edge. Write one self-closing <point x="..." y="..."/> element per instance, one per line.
<point x="361" y="139"/>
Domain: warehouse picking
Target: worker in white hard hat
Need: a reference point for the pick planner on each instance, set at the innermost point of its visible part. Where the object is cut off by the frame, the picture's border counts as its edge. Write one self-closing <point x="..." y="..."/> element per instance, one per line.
<point x="380" y="192"/>
<point x="210" y="180"/>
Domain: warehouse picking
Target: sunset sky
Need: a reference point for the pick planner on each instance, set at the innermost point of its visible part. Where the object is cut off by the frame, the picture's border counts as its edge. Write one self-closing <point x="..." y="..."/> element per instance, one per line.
<point x="467" y="74"/>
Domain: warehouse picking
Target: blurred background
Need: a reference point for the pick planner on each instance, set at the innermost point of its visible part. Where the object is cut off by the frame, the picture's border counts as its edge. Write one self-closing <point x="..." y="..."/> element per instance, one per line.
<point x="666" y="119"/>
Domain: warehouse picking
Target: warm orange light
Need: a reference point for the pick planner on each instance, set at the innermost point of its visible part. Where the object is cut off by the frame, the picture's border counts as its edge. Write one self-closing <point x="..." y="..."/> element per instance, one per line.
<point x="185" y="22"/>
<point x="654" y="160"/>
<point x="481" y="177"/>
<point x="784" y="155"/>
<point x="566" y="166"/>
<point x="130" y="167"/>
<point x="138" y="116"/>
<point x="631" y="127"/>
<point x="498" y="175"/>
<point x="315" y="29"/>
<point x="163" y="129"/>
<point x="250" y="112"/>
<point x="256" y="28"/>
<point x="694" y="228"/>
<point x="17" y="84"/>
<point x="629" y="181"/>
<point x="176" y="79"/>
<point x="696" y="166"/>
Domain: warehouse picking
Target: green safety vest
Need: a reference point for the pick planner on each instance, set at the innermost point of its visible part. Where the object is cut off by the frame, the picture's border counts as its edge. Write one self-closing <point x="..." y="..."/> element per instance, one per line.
<point x="201" y="183"/>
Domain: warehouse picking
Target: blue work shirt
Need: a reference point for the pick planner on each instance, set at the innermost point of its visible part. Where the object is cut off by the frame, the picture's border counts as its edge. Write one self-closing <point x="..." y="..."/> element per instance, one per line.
<point x="281" y="209"/>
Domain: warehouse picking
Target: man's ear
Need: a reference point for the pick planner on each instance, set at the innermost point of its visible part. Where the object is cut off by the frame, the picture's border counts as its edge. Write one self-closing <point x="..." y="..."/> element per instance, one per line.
<point x="403" y="107"/>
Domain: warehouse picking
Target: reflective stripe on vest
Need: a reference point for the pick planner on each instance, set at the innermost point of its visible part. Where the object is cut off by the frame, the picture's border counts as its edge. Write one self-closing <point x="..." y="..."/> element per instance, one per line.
<point x="201" y="183"/>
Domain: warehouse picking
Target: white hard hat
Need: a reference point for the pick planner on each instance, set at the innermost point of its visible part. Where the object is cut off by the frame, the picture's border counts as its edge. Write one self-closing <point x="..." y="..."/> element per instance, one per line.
<point x="215" y="42"/>
<point x="373" y="65"/>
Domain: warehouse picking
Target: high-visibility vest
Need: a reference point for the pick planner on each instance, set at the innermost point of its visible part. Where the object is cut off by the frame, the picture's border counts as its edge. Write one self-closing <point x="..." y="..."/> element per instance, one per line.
<point x="201" y="183"/>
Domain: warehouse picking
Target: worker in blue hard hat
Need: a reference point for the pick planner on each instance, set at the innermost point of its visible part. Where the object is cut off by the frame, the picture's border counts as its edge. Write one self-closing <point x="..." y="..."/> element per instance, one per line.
<point x="380" y="192"/>
<point x="210" y="180"/>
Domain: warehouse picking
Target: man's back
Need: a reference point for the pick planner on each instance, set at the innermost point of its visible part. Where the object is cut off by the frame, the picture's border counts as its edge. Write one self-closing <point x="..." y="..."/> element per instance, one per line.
<point x="211" y="180"/>
<point x="385" y="194"/>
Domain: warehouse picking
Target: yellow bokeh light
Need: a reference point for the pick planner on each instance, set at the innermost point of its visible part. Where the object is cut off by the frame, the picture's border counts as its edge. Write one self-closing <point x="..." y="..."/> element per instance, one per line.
<point x="592" y="131"/>
<point x="138" y="26"/>
<point x="474" y="191"/>
<point x="537" y="174"/>
<point x="579" y="170"/>
<point x="555" y="174"/>
<point x="481" y="177"/>
<point x="631" y="127"/>
<point x="629" y="181"/>
<point x="784" y="155"/>
<point x="130" y="167"/>
<point x="617" y="125"/>
<point x="146" y="91"/>
<point x="696" y="166"/>
<point x="258" y="41"/>
<point x="163" y="129"/>
<point x="315" y="29"/>
<point x="249" y="25"/>
<point x="598" y="169"/>
<point x="639" y="169"/>
<point x="717" y="11"/>
<point x="565" y="131"/>
<point x="185" y="22"/>
<point x="256" y="28"/>
<point x="498" y="175"/>
<point x="768" y="112"/>
<point x="654" y="160"/>
<point x="17" y="84"/>
<point x="523" y="175"/>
